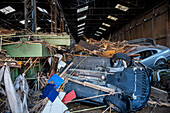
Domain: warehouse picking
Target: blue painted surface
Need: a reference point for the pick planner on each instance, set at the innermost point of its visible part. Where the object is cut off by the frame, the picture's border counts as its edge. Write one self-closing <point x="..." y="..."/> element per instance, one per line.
<point x="56" y="80"/>
<point x="50" y="92"/>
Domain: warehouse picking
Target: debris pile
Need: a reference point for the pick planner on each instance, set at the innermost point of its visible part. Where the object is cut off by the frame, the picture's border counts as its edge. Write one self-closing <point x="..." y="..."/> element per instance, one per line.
<point x="102" y="48"/>
<point x="41" y="73"/>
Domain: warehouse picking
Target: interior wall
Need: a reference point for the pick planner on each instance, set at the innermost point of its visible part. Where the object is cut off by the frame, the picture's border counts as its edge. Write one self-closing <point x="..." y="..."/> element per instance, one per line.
<point x="153" y="24"/>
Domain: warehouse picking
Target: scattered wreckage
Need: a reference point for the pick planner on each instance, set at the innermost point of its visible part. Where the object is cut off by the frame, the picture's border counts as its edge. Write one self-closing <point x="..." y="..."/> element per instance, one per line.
<point x="151" y="55"/>
<point x="126" y="85"/>
<point x="98" y="72"/>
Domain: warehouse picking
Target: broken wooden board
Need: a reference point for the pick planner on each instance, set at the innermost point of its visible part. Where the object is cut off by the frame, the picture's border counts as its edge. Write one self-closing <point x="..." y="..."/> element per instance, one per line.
<point x="108" y="53"/>
<point x="93" y="42"/>
<point x="94" y="86"/>
<point x="88" y="46"/>
<point x="158" y="93"/>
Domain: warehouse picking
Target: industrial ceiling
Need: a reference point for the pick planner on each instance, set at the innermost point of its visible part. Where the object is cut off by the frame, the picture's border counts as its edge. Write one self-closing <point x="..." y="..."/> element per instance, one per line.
<point x="93" y="18"/>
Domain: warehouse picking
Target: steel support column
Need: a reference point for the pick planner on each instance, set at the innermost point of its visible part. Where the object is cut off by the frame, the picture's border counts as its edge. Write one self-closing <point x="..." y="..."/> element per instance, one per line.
<point x="53" y="16"/>
<point x="168" y="25"/>
<point x="30" y="15"/>
<point x="153" y="24"/>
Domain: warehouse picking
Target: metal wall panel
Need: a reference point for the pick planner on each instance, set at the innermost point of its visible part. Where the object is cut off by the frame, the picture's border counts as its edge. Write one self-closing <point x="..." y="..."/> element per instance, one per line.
<point x="160" y="26"/>
<point x="148" y="29"/>
<point x="139" y="31"/>
<point x="153" y="24"/>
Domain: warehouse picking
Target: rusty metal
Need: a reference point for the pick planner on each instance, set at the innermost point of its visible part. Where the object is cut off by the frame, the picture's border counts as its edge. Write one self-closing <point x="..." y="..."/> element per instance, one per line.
<point x="167" y="22"/>
<point x="30" y="15"/>
<point x="54" y="11"/>
<point x="153" y="21"/>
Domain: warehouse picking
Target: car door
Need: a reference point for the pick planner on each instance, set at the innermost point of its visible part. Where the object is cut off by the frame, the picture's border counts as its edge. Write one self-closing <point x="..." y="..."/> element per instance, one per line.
<point x="147" y="57"/>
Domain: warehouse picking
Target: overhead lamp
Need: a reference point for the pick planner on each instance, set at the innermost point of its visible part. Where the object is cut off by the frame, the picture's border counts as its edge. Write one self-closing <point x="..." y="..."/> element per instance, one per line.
<point x="112" y="18"/>
<point x="98" y="32"/>
<point x="38" y="28"/>
<point x="80" y="32"/>
<point x="80" y="25"/>
<point x="80" y="29"/>
<point x="106" y="24"/>
<point x="121" y="7"/>
<point x="102" y="28"/>
<point x="81" y="18"/>
<point x="23" y="21"/>
<point x="82" y="9"/>
<point x="7" y="10"/>
<point x="42" y="10"/>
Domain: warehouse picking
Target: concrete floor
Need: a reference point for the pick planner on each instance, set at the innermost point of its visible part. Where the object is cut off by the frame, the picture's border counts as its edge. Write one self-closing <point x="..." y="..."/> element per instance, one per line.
<point x="147" y="109"/>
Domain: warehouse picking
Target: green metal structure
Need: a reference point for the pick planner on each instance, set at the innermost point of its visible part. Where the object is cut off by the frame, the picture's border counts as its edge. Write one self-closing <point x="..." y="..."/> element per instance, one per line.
<point x="27" y="50"/>
<point x="62" y="39"/>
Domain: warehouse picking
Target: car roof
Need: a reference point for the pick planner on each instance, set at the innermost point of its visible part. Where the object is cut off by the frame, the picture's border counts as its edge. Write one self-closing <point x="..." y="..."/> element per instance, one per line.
<point x="143" y="47"/>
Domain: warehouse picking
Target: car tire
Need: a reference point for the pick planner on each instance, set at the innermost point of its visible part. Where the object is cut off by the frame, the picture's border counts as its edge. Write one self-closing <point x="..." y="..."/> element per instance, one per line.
<point x="122" y="56"/>
<point x="162" y="63"/>
<point x="118" y="104"/>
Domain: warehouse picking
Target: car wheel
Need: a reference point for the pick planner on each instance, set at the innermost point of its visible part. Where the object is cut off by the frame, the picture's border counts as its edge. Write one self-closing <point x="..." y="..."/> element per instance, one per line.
<point x="120" y="56"/>
<point x="161" y="62"/>
<point x="118" y="104"/>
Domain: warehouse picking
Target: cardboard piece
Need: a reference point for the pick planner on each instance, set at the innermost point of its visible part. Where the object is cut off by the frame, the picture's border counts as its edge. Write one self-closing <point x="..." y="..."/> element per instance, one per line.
<point x="56" y="107"/>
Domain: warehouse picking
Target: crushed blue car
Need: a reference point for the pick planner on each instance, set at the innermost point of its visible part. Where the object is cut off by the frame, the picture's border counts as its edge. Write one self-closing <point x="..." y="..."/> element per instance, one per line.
<point x="129" y="80"/>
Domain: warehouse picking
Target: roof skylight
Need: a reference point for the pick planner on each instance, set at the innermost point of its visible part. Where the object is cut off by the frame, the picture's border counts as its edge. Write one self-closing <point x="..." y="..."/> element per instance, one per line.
<point x="121" y="7"/>
<point x="102" y="28"/>
<point x="42" y="10"/>
<point x="82" y="9"/>
<point x="80" y="29"/>
<point x="106" y="24"/>
<point x="96" y="34"/>
<point x="80" y="32"/>
<point x="112" y="18"/>
<point x="7" y="10"/>
<point x="81" y="18"/>
<point x="80" y="25"/>
<point x="23" y="21"/>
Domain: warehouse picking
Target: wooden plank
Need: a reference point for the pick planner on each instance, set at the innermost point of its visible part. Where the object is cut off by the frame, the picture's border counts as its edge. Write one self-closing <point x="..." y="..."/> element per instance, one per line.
<point x="158" y="93"/>
<point x="94" y="86"/>
<point x="88" y="46"/>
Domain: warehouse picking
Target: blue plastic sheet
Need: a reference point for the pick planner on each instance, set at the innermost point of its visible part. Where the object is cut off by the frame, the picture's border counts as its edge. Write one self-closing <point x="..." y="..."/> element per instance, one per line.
<point x="56" y="80"/>
<point x="50" y="92"/>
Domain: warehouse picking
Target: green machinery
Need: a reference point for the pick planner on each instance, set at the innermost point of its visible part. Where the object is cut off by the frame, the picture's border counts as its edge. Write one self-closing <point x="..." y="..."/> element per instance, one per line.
<point x="27" y="50"/>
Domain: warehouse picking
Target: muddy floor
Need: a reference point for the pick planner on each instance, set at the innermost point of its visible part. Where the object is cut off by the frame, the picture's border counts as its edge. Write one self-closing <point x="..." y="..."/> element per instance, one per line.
<point x="147" y="109"/>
